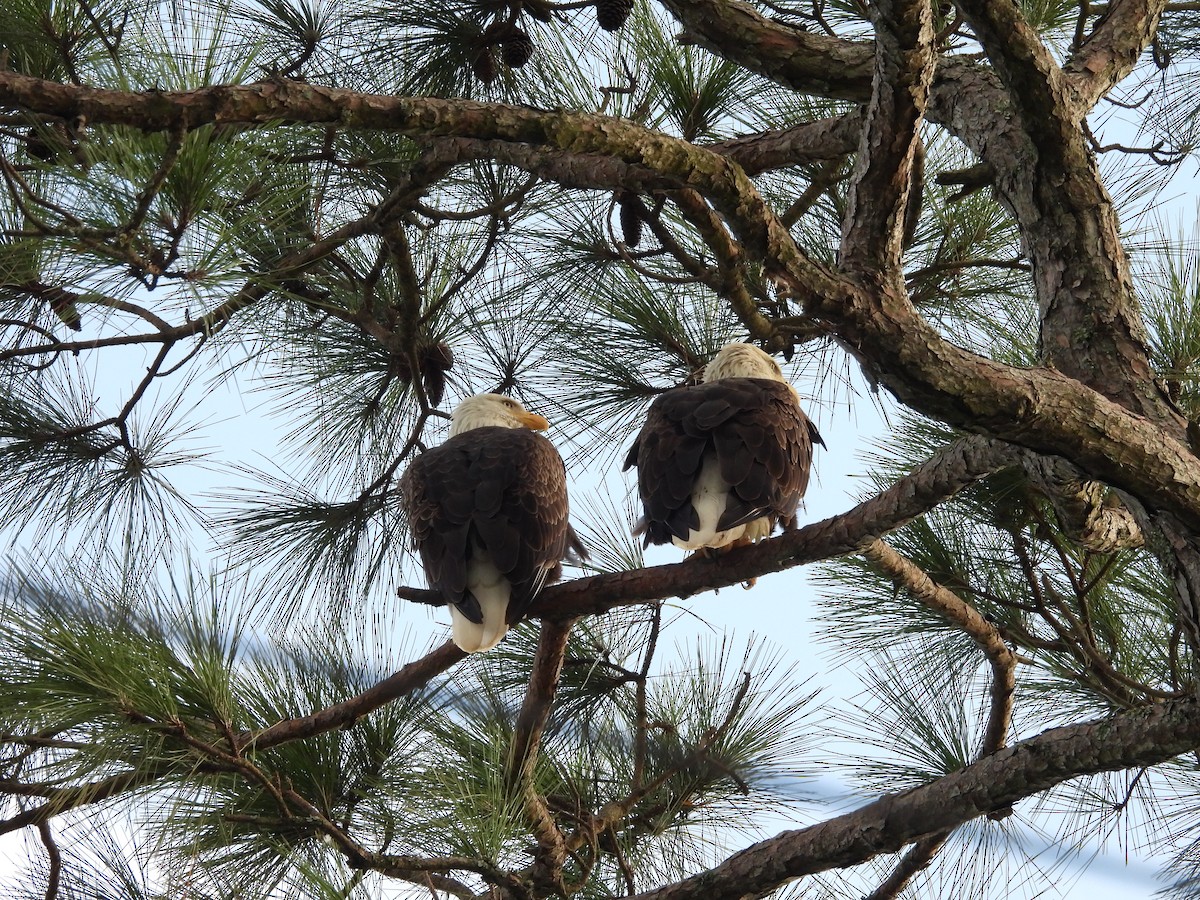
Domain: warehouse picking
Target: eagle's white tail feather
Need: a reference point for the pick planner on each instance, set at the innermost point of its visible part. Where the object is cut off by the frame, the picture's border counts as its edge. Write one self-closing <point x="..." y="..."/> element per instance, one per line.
<point x="709" y="496"/>
<point x="492" y="590"/>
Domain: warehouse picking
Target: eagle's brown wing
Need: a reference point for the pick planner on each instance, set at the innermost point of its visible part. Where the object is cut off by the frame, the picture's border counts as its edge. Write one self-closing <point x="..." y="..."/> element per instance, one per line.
<point x="762" y="439"/>
<point x="504" y="489"/>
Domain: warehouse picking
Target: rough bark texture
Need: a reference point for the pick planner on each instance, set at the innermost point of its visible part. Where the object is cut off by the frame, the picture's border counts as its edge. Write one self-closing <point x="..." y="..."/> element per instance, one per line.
<point x="1143" y="737"/>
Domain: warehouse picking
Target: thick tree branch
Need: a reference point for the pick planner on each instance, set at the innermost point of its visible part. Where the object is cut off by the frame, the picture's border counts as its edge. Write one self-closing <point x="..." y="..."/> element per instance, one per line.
<point x="808" y="142"/>
<point x="1113" y="49"/>
<point x="1086" y="510"/>
<point x="1142" y="737"/>
<point x="1023" y="62"/>
<point x="875" y="219"/>
<point x="799" y="59"/>
<point x="1091" y="328"/>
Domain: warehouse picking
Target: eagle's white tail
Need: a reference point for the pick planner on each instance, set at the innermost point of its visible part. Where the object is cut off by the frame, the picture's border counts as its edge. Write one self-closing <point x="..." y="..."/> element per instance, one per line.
<point x="492" y="590"/>
<point x="709" y="496"/>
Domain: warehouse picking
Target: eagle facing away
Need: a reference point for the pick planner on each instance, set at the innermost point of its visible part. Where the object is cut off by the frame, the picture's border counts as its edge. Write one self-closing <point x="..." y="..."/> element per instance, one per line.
<point x="720" y="463"/>
<point x="488" y="515"/>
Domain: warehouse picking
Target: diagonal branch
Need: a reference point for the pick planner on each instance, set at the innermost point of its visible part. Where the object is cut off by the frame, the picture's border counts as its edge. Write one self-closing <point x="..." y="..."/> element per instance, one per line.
<point x="941" y="477"/>
<point x="907" y="575"/>
<point x="73" y="797"/>
<point x="1112" y="50"/>
<point x="1147" y="736"/>
<point x="410" y="678"/>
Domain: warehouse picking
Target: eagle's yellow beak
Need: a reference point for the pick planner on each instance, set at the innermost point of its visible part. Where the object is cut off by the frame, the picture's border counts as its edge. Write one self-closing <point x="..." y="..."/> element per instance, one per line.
<point x="533" y="420"/>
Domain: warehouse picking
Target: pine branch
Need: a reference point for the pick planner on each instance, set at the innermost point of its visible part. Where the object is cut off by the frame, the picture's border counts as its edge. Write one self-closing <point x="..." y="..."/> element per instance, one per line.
<point x="523" y="752"/>
<point x="410" y="678"/>
<point x="1146" y="736"/>
<point x="642" y="726"/>
<point x="916" y="860"/>
<point x="65" y="799"/>
<point x="876" y="216"/>
<point x="1109" y="54"/>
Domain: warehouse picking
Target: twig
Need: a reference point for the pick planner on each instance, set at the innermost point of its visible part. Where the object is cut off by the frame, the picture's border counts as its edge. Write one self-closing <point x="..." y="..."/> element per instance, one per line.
<point x="639" y="740"/>
<point x="1129" y="793"/>
<point x="54" y="857"/>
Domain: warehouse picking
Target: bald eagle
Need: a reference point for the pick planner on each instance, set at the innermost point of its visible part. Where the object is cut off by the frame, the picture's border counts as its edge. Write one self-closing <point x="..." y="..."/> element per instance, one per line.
<point x="488" y="514"/>
<point x="720" y="463"/>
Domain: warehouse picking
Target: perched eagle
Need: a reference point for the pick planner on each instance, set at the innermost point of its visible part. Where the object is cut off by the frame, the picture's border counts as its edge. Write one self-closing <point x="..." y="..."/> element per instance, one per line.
<point x="488" y="515"/>
<point x="720" y="463"/>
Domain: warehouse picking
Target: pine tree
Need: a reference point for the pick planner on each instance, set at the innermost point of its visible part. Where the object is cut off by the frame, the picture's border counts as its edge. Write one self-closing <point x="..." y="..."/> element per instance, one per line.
<point x="354" y="215"/>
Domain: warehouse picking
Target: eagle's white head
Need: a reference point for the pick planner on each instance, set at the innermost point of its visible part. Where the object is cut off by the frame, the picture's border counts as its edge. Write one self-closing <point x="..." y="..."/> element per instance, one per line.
<point x="493" y="409"/>
<point x="742" y="361"/>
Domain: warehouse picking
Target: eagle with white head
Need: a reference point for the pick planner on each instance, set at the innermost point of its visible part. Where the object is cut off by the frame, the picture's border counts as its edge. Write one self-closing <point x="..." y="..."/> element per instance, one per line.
<point x="488" y="514"/>
<point x="722" y="462"/>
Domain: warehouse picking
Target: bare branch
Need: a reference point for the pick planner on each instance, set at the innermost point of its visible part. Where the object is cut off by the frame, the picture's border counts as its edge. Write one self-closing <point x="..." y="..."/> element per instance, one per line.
<point x="906" y="574"/>
<point x="527" y="736"/>
<point x="1146" y="736"/>
<point x="54" y="857"/>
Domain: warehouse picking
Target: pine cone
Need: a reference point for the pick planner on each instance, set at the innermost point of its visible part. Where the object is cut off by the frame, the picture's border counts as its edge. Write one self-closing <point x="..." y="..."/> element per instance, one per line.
<point x="62" y="304"/>
<point x="612" y="14"/>
<point x="52" y="142"/>
<point x="516" y="48"/>
<point x="484" y="66"/>
<point x="435" y="360"/>
<point x="633" y="213"/>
